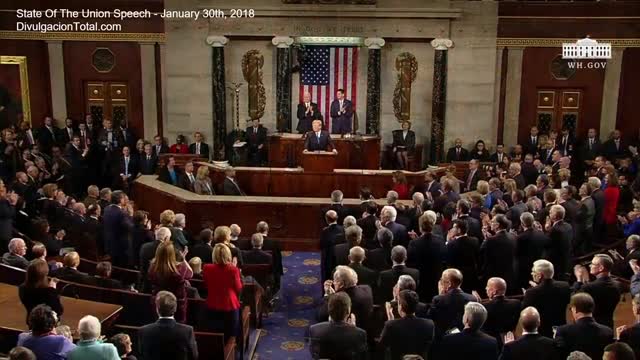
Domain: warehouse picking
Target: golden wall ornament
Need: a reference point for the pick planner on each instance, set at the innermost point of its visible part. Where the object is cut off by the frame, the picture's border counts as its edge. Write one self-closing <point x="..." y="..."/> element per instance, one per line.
<point x="21" y="61"/>
<point x="252" y="63"/>
<point x="407" y="68"/>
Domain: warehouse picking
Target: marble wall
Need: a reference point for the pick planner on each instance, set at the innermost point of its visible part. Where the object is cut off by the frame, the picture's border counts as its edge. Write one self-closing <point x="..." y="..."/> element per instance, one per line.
<point x="471" y="79"/>
<point x="188" y="81"/>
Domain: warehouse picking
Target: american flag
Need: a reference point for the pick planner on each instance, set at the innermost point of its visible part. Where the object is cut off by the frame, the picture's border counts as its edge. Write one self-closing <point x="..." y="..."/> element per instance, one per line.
<point x="325" y="70"/>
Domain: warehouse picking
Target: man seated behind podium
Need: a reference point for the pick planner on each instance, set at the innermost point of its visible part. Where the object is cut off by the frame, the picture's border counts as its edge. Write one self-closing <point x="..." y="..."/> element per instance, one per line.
<point x="318" y="139"/>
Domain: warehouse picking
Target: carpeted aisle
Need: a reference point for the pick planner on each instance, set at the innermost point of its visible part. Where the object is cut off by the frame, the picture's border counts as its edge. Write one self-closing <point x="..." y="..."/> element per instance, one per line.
<point x="285" y="329"/>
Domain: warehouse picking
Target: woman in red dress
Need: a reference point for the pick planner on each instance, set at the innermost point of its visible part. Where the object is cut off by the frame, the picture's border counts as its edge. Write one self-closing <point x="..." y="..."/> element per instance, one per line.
<point x="222" y="279"/>
<point x="611" y="197"/>
<point x="179" y="147"/>
<point x="400" y="185"/>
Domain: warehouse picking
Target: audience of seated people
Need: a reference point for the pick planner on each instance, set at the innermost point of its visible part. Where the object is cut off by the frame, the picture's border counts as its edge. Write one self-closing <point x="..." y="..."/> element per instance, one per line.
<point x="520" y="228"/>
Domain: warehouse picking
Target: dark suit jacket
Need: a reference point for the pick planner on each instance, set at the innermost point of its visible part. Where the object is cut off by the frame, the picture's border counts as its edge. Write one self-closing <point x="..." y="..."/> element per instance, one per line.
<point x="148" y="167"/>
<point x="571" y="208"/>
<point x="530" y="347"/>
<point x="204" y="251"/>
<point x="531" y="147"/>
<point x="590" y="153"/>
<point x="304" y="120"/>
<point x="341" y="254"/>
<point x="453" y="156"/>
<point x="329" y="237"/>
<point x="272" y="245"/>
<point x="167" y="339"/>
<point x="530" y="245"/>
<point x="15" y="261"/>
<point x="408" y="335"/>
<point x="343" y="120"/>
<point x="163" y="149"/>
<point x="73" y="275"/>
<point x="361" y="305"/>
<point x="389" y="278"/>
<point x="446" y="310"/>
<point x="46" y="139"/>
<point x="474" y="227"/>
<point x="471" y="186"/>
<point x="585" y="335"/>
<point x="497" y="255"/>
<point x="117" y="227"/>
<point x="256" y="139"/>
<point x="337" y="341"/>
<point x="502" y="316"/>
<point x="462" y="254"/>
<point x="514" y="213"/>
<point x="427" y="254"/>
<point x="369" y="231"/>
<point x="408" y="142"/>
<point x="117" y="141"/>
<point x="598" y="199"/>
<point x="551" y="298"/>
<point x="231" y="188"/>
<point x="496" y="159"/>
<point x="468" y="344"/>
<point x="559" y="250"/>
<point x="204" y="149"/>
<point x="631" y="336"/>
<point x="312" y="143"/>
<point x="568" y="146"/>
<point x="366" y="276"/>
<point x="606" y="295"/>
<point x="399" y="233"/>
<point x="147" y="253"/>
<point x="610" y="152"/>
<point x="256" y="256"/>
<point x="185" y="183"/>
<point x="166" y="178"/>
<point x="379" y="259"/>
<point x="133" y="167"/>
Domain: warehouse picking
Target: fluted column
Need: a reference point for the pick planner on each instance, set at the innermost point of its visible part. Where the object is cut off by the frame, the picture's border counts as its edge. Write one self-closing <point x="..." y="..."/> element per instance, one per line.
<point x="373" y="84"/>
<point x="439" y="102"/>
<point x="283" y="82"/>
<point x="56" y="75"/>
<point x="219" y="94"/>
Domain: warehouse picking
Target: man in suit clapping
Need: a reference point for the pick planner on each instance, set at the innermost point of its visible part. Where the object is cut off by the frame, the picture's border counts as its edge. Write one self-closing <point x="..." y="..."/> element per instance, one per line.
<point x="307" y="113"/>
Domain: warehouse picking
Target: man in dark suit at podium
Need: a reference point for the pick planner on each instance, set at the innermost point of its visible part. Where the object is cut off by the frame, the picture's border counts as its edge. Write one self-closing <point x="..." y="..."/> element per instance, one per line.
<point x="307" y="113"/>
<point x="318" y="139"/>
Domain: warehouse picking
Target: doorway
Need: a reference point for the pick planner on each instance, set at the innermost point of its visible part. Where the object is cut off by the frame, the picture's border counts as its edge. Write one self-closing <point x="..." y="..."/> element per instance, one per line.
<point x="558" y="109"/>
<point x="107" y="99"/>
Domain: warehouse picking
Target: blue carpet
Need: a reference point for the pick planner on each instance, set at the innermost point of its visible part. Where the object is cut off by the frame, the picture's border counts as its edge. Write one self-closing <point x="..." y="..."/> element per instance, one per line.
<point x="285" y="330"/>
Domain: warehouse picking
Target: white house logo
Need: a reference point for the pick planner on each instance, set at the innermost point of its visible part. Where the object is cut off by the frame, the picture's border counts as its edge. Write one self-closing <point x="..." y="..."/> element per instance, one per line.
<point x="586" y="49"/>
<point x="579" y="53"/>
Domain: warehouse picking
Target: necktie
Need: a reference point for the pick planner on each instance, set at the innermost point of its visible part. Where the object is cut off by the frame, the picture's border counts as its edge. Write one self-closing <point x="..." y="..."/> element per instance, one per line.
<point x="191" y="177"/>
<point x="318" y="136"/>
<point x="341" y="104"/>
<point x="590" y="144"/>
<point x="148" y="157"/>
<point x="157" y="149"/>
<point x="197" y="148"/>
<point x="617" y="144"/>
<point x="458" y="153"/>
<point x="109" y="136"/>
<point x="126" y="166"/>
<point x="533" y="140"/>
<point x="499" y="157"/>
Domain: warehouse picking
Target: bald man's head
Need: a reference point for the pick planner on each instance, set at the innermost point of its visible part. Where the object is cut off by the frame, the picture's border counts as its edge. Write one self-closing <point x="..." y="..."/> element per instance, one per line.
<point x="331" y="216"/>
<point x="530" y="319"/>
<point x="496" y="287"/>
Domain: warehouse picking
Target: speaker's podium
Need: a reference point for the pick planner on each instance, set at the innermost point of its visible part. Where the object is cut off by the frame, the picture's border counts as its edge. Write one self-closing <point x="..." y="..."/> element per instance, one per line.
<point x="319" y="161"/>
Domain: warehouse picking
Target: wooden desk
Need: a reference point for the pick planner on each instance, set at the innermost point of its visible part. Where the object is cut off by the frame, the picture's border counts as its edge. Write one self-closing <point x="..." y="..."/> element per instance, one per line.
<point x="285" y="150"/>
<point x="296" y="221"/>
<point x="180" y="159"/>
<point x="295" y="182"/>
<point x="14" y="313"/>
<point x="319" y="161"/>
